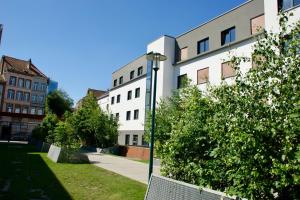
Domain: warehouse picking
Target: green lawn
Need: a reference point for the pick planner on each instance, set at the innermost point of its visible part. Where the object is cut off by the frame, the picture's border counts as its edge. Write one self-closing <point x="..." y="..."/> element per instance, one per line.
<point x="26" y="174"/>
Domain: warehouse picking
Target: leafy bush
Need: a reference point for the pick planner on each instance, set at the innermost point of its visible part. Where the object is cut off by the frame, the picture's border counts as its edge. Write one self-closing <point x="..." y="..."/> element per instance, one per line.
<point x="64" y="135"/>
<point x="45" y="131"/>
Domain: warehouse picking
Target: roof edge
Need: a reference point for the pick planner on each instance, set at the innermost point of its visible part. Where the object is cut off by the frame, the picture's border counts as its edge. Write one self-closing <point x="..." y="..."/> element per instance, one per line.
<point x="218" y="16"/>
<point x="129" y="63"/>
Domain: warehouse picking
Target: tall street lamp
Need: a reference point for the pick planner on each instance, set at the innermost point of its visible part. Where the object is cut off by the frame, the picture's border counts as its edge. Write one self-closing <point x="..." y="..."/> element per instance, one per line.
<point x="155" y="58"/>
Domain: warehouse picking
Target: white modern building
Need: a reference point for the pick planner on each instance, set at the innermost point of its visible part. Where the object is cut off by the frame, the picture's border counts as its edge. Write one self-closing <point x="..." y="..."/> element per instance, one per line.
<point x="201" y="55"/>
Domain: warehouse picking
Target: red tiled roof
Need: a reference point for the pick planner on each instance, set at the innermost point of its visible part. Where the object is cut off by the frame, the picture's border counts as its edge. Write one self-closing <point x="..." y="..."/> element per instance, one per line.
<point x="22" y="66"/>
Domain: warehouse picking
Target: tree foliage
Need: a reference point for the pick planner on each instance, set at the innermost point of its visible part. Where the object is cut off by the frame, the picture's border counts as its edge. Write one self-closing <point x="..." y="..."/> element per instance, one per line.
<point x="58" y="102"/>
<point x="87" y="126"/>
<point x="45" y="131"/>
<point x="93" y="126"/>
<point x="241" y="138"/>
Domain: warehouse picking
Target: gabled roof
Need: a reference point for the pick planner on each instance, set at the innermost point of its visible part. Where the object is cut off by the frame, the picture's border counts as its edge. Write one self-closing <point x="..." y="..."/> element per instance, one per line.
<point x="22" y="66"/>
<point x="96" y="93"/>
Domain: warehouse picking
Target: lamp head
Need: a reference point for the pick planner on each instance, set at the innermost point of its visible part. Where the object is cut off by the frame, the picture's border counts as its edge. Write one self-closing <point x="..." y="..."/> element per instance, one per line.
<point x="156" y="56"/>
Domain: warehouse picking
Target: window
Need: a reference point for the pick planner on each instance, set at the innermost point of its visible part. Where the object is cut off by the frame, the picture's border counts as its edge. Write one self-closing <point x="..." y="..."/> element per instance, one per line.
<point x="33" y="98"/>
<point x="20" y="82"/>
<point x="128" y="113"/>
<point x="286" y="4"/>
<point x="25" y="110"/>
<point x="183" y="54"/>
<point x="35" y="86"/>
<point x="115" y="82"/>
<point x="140" y="70"/>
<point x="228" y="36"/>
<point x="131" y="74"/>
<point x="17" y="109"/>
<point x="136" y="114"/>
<point x="27" y="84"/>
<point x="40" y="111"/>
<point x="12" y="80"/>
<point x="43" y="86"/>
<point x="203" y="45"/>
<point x="227" y="70"/>
<point x="181" y="81"/>
<point x="117" y="116"/>
<point x="135" y="140"/>
<point x="32" y="111"/>
<point x="118" y="98"/>
<point x="9" y="107"/>
<point x="127" y="139"/>
<point x="257" y="24"/>
<point x="41" y="98"/>
<point x="19" y="96"/>
<point x="26" y="96"/>
<point x="112" y="100"/>
<point x="10" y="94"/>
<point x="202" y="75"/>
<point x="129" y="95"/>
<point x="137" y="92"/>
<point x="121" y="80"/>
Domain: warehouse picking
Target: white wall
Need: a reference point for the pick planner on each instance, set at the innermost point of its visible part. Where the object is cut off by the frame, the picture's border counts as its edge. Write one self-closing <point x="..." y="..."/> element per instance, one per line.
<point x="271" y="15"/>
<point x="130" y="105"/>
<point x="214" y="62"/>
<point x="165" y="75"/>
<point x="103" y="102"/>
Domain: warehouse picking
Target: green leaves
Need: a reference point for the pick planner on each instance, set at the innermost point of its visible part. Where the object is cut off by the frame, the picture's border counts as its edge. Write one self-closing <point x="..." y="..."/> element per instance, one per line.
<point x="58" y="102"/>
<point x="93" y="126"/>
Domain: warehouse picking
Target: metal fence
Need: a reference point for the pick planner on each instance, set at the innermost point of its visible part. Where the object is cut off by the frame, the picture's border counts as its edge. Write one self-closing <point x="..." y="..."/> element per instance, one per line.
<point x="162" y="188"/>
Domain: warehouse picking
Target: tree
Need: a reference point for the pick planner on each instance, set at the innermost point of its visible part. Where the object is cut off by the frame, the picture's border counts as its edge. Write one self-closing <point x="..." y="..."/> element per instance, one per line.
<point x="92" y="125"/>
<point x="58" y="102"/>
<point x="181" y="137"/>
<point x="257" y="138"/>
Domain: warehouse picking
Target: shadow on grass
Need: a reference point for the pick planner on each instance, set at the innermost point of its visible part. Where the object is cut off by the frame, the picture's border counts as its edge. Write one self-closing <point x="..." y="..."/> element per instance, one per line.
<point x="25" y="175"/>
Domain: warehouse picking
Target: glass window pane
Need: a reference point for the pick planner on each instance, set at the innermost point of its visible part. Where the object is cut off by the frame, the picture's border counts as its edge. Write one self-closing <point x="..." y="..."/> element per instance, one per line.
<point x="232" y="35"/>
<point x="286" y="4"/>
<point x="207" y="45"/>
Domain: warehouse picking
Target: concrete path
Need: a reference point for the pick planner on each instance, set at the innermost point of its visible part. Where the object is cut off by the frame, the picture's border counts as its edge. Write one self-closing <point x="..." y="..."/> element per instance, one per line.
<point x="132" y="169"/>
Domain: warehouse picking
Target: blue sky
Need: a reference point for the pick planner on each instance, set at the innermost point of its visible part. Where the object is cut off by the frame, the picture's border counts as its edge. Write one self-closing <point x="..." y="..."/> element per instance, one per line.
<point x="79" y="43"/>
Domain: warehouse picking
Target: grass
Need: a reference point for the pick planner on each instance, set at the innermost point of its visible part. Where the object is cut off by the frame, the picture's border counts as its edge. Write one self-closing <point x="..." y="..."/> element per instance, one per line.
<point x="26" y="174"/>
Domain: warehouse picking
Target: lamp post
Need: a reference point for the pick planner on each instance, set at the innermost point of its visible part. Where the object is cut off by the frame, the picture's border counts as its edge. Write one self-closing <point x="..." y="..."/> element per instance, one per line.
<point x="155" y="58"/>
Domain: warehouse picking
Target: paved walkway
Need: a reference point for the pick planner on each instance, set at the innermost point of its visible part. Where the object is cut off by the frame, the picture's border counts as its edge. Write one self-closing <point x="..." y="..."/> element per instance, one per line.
<point x="132" y="169"/>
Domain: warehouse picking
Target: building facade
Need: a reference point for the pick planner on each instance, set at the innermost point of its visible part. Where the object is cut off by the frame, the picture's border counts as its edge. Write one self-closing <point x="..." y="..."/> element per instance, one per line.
<point x="23" y="91"/>
<point x="201" y="55"/>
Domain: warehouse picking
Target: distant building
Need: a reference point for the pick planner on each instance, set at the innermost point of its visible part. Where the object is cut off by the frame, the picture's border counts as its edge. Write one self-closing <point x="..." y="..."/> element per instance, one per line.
<point x="23" y="89"/>
<point x="96" y="93"/>
<point x="53" y="85"/>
